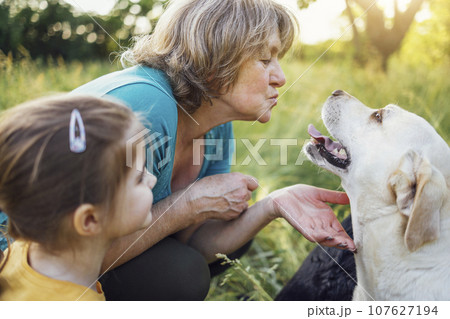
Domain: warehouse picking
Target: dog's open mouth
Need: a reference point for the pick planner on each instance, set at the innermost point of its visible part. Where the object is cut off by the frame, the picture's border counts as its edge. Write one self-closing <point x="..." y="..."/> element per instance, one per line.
<point x="333" y="152"/>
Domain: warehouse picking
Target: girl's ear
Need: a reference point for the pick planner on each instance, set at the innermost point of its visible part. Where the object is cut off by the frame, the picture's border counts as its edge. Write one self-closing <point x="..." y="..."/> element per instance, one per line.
<point x="87" y="220"/>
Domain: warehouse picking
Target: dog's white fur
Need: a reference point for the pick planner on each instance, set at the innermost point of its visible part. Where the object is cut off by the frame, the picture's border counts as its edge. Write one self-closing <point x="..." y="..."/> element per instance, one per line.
<point x="398" y="183"/>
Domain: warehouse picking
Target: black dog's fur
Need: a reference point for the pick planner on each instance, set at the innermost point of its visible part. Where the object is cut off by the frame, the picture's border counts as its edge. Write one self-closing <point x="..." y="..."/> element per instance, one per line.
<point x="322" y="278"/>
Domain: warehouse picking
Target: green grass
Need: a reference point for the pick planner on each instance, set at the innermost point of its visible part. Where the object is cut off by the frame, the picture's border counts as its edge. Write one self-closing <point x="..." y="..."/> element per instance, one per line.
<point x="25" y="79"/>
<point x="278" y="250"/>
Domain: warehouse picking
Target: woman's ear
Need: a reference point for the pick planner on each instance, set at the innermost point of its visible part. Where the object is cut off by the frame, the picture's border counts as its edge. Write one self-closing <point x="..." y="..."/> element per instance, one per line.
<point x="87" y="220"/>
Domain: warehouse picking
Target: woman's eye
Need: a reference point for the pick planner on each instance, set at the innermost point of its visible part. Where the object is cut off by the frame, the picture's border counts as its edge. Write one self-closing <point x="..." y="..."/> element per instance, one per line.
<point x="266" y="61"/>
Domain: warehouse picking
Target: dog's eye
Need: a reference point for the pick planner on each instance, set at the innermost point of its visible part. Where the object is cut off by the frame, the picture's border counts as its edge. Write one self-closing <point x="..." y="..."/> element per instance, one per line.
<point x="378" y="116"/>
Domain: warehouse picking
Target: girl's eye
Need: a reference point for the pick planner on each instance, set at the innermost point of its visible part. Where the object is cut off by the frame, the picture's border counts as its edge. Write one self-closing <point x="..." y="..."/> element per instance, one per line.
<point x="142" y="176"/>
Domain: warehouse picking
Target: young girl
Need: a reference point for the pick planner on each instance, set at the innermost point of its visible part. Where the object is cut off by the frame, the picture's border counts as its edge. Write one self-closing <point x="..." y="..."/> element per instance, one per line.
<point x="68" y="192"/>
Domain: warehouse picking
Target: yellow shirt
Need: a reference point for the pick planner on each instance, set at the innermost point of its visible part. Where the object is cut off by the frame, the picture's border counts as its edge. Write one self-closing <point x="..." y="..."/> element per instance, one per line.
<point x="18" y="281"/>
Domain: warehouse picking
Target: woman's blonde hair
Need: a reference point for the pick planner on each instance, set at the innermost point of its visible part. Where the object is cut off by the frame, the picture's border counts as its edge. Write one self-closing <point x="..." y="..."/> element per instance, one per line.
<point x="42" y="181"/>
<point x="200" y="44"/>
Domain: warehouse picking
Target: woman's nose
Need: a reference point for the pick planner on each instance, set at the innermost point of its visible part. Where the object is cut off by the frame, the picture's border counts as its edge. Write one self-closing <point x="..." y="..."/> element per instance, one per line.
<point x="277" y="78"/>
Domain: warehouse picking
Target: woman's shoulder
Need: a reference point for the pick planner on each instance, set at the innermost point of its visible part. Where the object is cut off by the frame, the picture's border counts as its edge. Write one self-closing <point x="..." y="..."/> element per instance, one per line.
<point x="145" y="90"/>
<point x="134" y="76"/>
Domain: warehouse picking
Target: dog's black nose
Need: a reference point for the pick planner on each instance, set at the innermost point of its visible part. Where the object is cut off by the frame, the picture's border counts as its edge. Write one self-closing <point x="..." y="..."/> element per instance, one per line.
<point x="338" y="92"/>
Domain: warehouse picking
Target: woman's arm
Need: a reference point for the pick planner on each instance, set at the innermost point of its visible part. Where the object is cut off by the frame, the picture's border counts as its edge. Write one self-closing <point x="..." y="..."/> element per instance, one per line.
<point x="221" y="197"/>
<point x="303" y="206"/>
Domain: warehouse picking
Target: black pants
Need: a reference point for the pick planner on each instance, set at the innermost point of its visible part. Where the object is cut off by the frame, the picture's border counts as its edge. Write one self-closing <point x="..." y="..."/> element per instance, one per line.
<point x="169" y="270"/>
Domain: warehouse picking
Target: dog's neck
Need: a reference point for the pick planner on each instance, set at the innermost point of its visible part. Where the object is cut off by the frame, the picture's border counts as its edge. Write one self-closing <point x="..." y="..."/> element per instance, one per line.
<point x="386" y="269"/>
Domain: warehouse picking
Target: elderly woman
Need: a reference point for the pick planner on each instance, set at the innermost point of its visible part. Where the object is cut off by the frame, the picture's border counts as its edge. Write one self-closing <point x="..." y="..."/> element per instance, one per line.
<point x="208" y="62"/>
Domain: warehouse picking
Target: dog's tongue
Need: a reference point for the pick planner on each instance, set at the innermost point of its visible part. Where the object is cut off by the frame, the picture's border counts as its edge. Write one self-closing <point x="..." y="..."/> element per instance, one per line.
<point x="330" y="145"/>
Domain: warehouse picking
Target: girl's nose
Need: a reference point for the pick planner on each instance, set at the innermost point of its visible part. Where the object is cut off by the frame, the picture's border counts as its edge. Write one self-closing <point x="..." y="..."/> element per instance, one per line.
<point x="151" y="180"/>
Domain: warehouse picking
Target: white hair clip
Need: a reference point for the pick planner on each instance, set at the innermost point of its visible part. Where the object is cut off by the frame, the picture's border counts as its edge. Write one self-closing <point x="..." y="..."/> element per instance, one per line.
<point x="77" y="143"/>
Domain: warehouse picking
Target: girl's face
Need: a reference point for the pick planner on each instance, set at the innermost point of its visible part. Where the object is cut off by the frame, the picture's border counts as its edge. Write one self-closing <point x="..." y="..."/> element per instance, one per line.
<point x="135" y="212"/>
<point x="255" y="93"/>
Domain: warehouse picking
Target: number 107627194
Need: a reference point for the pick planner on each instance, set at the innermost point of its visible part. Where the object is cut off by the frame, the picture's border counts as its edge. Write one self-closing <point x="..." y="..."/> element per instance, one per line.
<point x="416" y="310"/>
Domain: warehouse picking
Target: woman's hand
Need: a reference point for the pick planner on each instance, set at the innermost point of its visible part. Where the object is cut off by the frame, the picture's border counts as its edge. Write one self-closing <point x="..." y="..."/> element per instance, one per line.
<point x="222" y="196"/>
<point x="305" y="208"/>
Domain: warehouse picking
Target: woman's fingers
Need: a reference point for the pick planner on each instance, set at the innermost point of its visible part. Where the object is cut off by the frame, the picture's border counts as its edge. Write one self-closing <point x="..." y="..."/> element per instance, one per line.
<point x="224" y="196"/>
<point x="334" y="235"/>
<point x="328" y="236"/>
<point x="334" y="197"/>
<point x="305" y="208"/>
<point x="252" y="183"/>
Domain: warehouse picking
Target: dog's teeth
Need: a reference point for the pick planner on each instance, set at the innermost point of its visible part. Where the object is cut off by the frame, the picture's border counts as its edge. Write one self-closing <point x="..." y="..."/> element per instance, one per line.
<point x="343" y="152"/>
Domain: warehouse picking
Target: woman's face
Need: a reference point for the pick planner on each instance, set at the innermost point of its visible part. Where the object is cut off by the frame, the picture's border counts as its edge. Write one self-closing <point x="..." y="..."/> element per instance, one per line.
<point x="254" y="94"/>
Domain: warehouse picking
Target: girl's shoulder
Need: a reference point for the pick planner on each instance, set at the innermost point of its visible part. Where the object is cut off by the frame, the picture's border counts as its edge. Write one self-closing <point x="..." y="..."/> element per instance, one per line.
<point x="20" y="282"/>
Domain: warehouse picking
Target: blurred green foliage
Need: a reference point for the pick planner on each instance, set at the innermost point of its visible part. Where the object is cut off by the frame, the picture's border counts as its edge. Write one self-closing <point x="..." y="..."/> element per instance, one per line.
<point x="42" y="28"/>
<point x="51" y="28"/>
<point x="303" y="4"/>
<point x="428" y="42"/>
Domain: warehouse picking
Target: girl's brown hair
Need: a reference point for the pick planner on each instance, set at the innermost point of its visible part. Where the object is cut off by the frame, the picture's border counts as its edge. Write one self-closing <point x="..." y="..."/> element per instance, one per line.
<point x="201" y="44"/>
<point x="42" y="181"/>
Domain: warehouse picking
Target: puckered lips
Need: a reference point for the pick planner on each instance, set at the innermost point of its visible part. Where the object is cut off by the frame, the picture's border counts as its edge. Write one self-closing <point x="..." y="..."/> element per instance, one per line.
<point x="333" y="152"/>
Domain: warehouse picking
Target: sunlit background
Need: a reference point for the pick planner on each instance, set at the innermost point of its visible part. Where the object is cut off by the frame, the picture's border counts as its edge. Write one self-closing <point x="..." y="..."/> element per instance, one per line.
<point x="85" y="29"/>
<point x="321" y="21"/>
<point x="394" y="52"/>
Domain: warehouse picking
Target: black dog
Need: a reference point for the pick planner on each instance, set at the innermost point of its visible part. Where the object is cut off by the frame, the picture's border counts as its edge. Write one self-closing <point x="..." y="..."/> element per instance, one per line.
<point x="322" y="278"/>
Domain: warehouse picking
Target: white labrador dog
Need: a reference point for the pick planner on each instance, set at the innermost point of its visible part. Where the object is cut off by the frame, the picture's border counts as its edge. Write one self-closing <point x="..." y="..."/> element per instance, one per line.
<point x="395" y="169"/>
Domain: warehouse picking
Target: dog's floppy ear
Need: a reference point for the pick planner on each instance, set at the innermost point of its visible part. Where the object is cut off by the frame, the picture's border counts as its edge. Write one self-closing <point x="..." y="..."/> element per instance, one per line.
<point x="419" y="189"/>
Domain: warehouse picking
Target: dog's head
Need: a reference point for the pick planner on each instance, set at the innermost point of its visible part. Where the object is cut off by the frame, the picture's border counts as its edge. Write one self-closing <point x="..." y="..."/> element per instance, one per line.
<point x="385" y="157"/>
